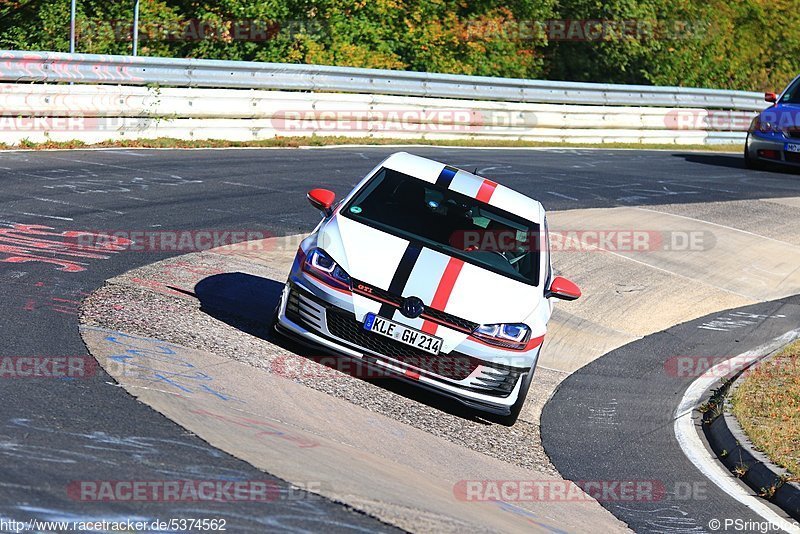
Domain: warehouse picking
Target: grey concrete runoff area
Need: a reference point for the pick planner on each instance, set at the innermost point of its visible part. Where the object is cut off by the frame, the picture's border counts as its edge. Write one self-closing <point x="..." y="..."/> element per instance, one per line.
<point x="343" y="453"/>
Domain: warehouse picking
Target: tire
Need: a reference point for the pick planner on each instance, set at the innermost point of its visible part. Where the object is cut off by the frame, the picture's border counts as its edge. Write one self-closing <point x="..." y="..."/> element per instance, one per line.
<point x="516" y="408"/>
<point x="272" y="323"/>
<point x="748" y="161"/>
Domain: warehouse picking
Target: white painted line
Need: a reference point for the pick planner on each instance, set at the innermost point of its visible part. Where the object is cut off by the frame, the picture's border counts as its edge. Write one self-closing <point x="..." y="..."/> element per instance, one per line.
<point x="77" y="205"/>
<point x="239" y="184"/>
<point x="129" y="153"/>
<point x="693" y="447"/>
<point x="673" y="273"/>
<point x="560" y="195"/>
<point x="47" y="216"/>
<point x="716" y="224"/>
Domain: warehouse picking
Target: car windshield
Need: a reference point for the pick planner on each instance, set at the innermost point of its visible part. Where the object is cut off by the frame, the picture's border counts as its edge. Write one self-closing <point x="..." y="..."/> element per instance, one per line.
<point x="452" y="223"/>
<point x="792" y="94"/>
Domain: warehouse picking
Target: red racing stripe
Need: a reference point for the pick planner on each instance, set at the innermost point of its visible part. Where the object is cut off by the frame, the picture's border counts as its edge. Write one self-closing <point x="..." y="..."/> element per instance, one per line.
<point x="443" y="291"/>
<point x="486" y="191"/>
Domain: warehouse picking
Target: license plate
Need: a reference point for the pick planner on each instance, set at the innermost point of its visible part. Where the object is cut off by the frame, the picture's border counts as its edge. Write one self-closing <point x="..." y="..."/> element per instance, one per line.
<point x="403" y="334"/>
<point x="792" y="147"/>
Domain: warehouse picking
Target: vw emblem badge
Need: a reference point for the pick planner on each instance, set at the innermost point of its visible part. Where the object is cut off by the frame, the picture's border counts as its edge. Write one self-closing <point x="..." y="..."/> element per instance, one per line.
<point x="412" y="307"/>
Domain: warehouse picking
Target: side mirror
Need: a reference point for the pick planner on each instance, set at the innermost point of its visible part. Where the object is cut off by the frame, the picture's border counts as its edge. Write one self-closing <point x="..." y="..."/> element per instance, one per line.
<point x="770" y="97"/>
<point x="322" y="199"/>
<point x="563" y="289"/>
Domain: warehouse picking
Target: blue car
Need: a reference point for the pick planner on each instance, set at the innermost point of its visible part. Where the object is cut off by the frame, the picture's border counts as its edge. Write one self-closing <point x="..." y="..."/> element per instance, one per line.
<point x="774" y="134"/>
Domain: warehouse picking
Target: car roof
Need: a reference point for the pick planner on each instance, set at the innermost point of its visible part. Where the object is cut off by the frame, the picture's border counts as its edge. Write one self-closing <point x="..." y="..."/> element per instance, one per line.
<point x="467" y="183"/>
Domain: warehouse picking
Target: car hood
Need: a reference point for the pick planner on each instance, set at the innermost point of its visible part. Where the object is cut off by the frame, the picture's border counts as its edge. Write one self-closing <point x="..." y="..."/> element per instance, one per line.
<point x="782" y="115"/>
<point x="449" y="284"/>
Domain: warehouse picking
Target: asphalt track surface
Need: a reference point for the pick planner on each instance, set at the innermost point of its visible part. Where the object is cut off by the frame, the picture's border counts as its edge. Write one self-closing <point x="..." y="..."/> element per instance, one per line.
<point x="612" y="420"/>
<point x="53" y="432"/>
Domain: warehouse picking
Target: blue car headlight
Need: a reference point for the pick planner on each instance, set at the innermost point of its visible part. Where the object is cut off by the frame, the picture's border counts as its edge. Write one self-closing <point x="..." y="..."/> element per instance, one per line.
<point x="322" y="267"/>
<point x="506" y="335"/>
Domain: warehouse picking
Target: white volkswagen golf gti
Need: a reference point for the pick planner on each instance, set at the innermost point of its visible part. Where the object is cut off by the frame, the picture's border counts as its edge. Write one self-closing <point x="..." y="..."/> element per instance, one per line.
<point x="433" y="275"/>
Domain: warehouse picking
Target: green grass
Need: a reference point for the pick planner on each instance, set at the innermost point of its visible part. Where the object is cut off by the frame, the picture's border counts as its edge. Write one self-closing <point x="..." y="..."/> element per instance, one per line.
<point x="293" y="142"/>
<point x="767" y="405"/>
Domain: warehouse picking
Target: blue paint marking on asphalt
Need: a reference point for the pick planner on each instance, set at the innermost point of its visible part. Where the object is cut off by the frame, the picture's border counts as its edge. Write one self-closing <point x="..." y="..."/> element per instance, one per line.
<point x="156" y="352"/>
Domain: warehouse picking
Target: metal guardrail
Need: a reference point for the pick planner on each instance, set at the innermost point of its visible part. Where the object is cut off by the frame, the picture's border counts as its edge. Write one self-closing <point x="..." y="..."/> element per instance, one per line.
<point x="52" y="67"/>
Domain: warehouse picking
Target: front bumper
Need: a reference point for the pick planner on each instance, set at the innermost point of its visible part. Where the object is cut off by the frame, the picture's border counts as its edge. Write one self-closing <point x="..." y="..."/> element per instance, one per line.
<point x="314" y="320"/>
<point x="756" y="142"/>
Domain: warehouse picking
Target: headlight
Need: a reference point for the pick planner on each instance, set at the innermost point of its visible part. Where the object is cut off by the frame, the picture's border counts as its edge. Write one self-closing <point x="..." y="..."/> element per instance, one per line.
<point x="322" y="267"/>
<point x="509" y="336"/>
<point x="762" y="126"/>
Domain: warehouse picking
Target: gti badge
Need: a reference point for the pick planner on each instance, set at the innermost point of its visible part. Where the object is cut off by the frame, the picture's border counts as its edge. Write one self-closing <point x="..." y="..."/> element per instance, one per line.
<point x="412" y="307"/>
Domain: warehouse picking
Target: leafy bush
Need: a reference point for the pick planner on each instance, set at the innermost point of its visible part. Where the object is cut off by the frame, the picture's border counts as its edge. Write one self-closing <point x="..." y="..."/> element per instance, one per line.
<point x="738" y="44"/>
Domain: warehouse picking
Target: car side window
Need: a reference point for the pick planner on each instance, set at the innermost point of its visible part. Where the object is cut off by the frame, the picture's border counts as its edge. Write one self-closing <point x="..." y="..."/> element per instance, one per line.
<point x="792" y="94"/>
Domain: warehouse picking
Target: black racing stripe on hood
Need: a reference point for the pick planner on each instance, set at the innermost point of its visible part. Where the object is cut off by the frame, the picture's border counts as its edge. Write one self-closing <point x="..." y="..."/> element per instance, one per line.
<point x="401" y="275"/>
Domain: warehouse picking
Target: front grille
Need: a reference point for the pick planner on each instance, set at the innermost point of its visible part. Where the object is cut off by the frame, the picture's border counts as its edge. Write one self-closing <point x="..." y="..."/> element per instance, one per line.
<point x="437" y="316"/>
<point x="794" y="133"/>
<point x="455" y="365"/>
<point x="309" y="311"/>
<point x="793" y="157"/>
<point x="452" y="321"/>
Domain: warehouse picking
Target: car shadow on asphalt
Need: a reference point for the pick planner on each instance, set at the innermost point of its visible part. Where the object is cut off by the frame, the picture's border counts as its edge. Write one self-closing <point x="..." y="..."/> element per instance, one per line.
<point x="718" y="160"/>
<point x="247" y="303"/>
<point x="730" y="161"/>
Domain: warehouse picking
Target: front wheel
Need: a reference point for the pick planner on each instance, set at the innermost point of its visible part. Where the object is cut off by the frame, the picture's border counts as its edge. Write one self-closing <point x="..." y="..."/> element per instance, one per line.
<point x="749" y="162"/>
<point x="272" y="322"/>
<point x="516" y="408"/>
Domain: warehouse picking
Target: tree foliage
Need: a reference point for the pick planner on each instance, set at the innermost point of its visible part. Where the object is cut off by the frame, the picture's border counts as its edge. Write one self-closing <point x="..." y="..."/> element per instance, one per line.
<point x="734" y="44"/>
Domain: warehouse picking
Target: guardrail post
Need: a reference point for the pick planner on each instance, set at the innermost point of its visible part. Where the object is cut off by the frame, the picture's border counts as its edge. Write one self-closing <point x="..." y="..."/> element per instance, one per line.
<point x="136" y="28"/>
<point x="72" y="9"/>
